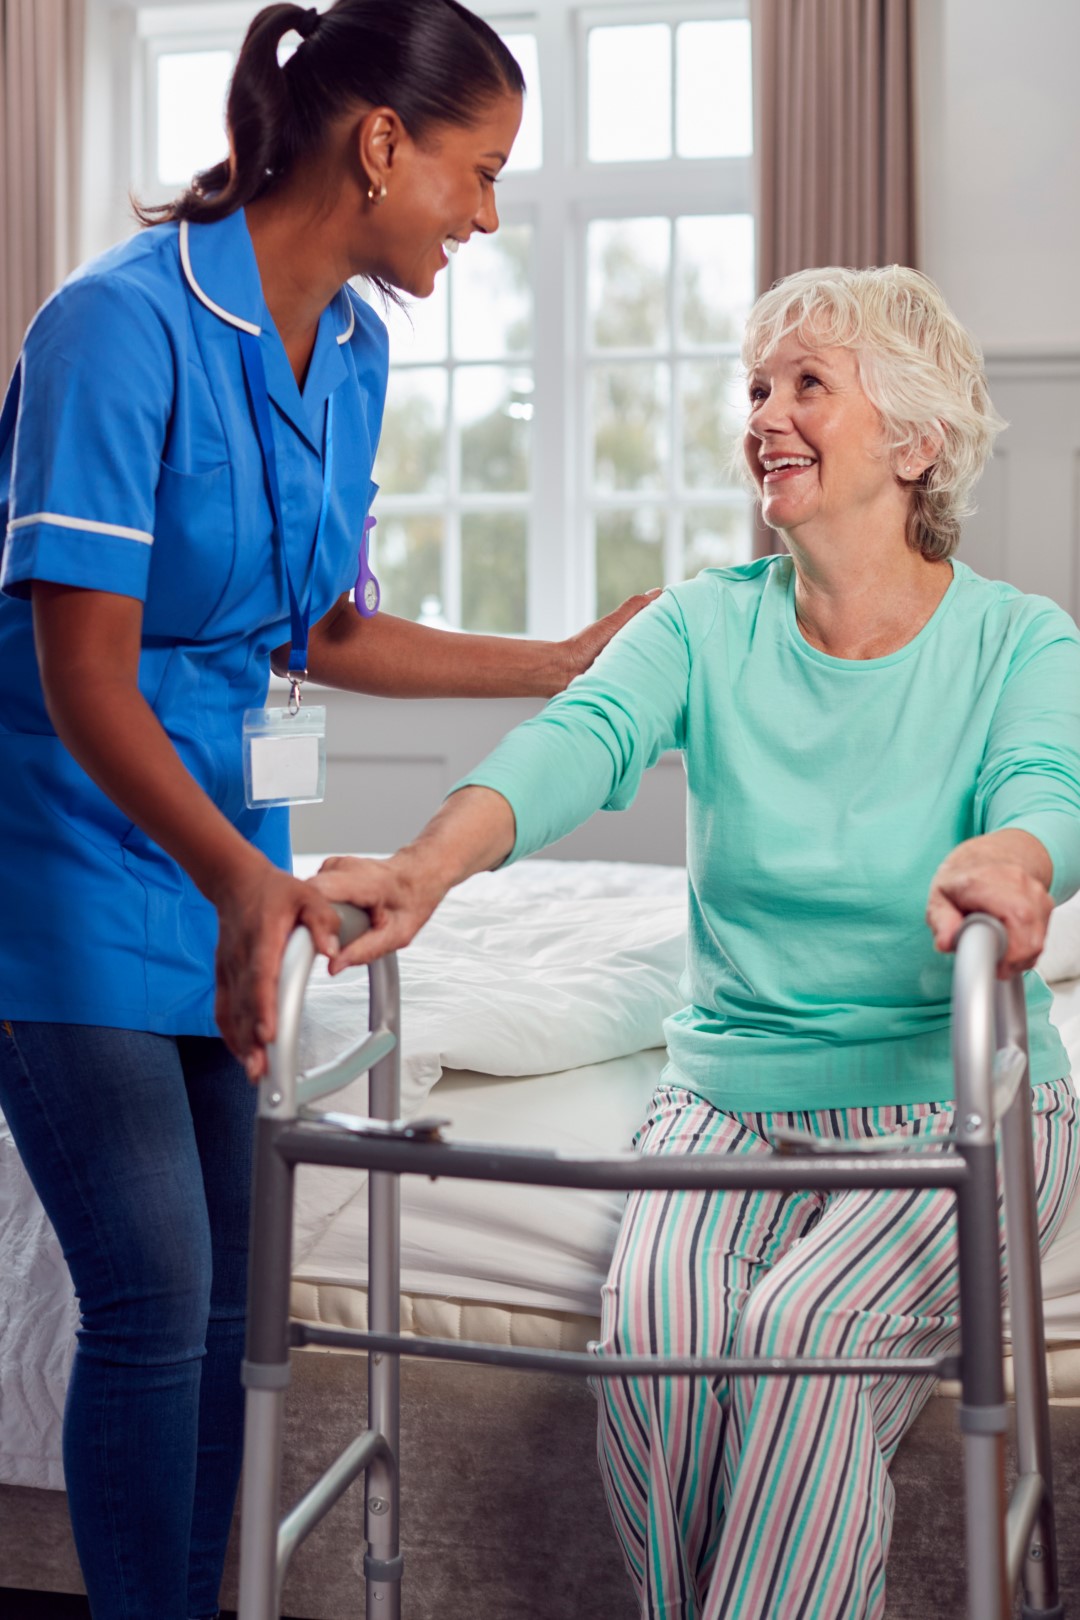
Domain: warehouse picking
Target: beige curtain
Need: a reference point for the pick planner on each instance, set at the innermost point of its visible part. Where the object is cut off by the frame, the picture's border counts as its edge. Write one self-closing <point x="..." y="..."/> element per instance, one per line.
<point x="834" y="139"/>
<point x="41" y="57"/>
<point x="834" y="134"/>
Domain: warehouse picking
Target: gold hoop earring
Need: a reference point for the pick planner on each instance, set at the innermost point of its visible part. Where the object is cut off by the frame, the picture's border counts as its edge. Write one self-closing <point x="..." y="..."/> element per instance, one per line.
<point x="374" y="196"/>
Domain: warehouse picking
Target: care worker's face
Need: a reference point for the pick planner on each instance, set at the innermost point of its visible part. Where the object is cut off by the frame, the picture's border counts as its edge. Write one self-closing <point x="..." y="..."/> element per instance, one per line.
<point x="814" y="443"/>
<point x="438" y="192"/>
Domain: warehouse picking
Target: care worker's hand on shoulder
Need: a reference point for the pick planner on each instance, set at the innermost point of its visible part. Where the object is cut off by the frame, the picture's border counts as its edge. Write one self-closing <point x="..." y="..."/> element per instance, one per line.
<point x="583" y="649"/>
<point x="258" y="907"/>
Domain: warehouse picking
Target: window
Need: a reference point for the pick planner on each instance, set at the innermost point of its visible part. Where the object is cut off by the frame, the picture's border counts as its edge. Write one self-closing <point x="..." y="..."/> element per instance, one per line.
<point x="455" y="463"/>
<point x="561" y="413"/>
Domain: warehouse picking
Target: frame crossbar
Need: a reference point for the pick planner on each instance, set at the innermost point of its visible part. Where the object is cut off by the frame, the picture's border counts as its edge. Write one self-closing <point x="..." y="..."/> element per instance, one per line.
<point x="581" y="1365"/>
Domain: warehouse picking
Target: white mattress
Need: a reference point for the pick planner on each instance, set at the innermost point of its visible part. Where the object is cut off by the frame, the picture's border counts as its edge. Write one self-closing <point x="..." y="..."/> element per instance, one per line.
<point x="543" y="1248"/>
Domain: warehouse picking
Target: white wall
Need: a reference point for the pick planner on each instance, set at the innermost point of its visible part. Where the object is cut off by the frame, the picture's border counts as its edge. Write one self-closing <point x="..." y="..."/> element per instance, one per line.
<point x="999" y="117"/>
<point x="999" y="126"/>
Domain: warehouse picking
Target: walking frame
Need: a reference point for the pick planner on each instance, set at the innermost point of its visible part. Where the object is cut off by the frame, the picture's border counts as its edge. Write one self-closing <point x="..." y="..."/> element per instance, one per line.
<point x="1006" y="1541"/>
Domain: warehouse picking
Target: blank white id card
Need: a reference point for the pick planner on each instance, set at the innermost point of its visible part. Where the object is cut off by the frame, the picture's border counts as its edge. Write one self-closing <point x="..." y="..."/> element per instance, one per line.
<point x="284" y="757"/>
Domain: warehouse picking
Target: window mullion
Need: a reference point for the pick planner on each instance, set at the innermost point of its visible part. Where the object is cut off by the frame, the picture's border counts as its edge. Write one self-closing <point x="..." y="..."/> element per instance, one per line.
<point x="673" y="524"/>
<point x="551" y="547"/>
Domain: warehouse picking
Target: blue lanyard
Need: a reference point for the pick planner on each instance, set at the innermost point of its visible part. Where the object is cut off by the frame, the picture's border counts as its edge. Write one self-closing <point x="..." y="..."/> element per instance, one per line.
<point x="300" y="617"/>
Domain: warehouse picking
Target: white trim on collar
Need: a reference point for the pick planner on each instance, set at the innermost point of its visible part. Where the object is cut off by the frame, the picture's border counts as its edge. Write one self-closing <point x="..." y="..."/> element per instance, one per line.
<point x="235" y="320"/>
<point x="343" y="337"/>
<point x="216" y="309"/>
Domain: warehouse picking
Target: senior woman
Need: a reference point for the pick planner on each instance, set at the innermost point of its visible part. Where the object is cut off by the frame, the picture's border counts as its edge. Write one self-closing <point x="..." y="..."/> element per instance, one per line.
<point x="875" y="740"/>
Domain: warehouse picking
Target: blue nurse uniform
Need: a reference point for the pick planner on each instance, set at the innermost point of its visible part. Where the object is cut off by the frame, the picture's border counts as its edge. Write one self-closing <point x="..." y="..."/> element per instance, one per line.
<point x="130" y="463"/>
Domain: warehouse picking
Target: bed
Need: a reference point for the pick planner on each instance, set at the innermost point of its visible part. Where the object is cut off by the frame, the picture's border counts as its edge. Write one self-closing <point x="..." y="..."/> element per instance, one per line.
<point x="532" y="1013"/>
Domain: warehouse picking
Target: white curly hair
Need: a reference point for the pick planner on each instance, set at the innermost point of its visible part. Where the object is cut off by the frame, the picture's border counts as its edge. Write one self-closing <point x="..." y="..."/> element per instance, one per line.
<point x="918" y="367"/>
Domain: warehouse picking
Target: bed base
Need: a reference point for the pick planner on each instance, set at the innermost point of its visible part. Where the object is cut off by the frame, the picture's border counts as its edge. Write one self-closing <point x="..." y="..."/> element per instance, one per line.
<point x="1009" y="1540"/>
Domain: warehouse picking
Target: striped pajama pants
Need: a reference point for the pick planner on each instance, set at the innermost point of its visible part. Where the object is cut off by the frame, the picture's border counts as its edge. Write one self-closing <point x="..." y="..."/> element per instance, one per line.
<point x="770" y="1498"/>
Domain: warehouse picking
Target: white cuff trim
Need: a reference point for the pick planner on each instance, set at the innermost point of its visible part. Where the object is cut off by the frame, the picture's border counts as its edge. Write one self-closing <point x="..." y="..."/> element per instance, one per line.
<point x="87" y="524"/>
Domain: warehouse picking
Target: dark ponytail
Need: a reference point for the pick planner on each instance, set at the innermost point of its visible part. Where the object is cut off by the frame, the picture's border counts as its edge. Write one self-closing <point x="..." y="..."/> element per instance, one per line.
<point x="433" y="61"/>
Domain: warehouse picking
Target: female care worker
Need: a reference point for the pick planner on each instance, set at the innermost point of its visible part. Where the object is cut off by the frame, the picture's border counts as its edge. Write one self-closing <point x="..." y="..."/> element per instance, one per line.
<point x="185" y="471"/>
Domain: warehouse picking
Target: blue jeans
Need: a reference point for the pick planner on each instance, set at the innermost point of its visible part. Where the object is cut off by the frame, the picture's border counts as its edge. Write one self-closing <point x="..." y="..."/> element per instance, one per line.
<point x="139" y="1147"/>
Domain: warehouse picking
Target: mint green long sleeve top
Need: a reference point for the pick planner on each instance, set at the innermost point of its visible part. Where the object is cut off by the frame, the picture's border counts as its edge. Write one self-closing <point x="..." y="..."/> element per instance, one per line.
<point x="823" y="793"/>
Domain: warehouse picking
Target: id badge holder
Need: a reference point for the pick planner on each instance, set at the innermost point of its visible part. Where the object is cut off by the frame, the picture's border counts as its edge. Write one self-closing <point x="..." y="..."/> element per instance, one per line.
<point x="284" y="755"/>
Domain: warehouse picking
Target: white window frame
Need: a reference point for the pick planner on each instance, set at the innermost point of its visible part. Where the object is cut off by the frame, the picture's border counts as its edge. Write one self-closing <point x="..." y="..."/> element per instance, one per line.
<point x="559" y="200"/>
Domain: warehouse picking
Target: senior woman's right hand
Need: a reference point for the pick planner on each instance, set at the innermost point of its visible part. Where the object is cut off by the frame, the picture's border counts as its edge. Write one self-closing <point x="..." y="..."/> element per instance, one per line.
<point x="472" y="832"/>
<point x="398" y="899"/>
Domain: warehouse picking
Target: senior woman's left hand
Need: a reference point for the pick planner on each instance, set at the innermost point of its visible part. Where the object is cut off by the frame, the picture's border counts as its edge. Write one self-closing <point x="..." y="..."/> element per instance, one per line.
<point x="1006" y="874"/>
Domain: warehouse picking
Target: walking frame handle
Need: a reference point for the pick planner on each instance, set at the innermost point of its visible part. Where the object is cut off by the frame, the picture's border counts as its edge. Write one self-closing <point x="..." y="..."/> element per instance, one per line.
<point x="287" y="1091"/>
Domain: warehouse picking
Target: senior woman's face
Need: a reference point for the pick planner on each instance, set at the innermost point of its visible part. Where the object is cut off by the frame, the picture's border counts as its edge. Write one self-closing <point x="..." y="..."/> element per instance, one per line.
<point x="814" y="442"/>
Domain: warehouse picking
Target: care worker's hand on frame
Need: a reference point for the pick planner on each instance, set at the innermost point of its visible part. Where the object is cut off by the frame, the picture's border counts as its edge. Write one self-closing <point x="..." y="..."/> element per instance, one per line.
<point x="258" y="908"/>
<point x="1007" y="874"/>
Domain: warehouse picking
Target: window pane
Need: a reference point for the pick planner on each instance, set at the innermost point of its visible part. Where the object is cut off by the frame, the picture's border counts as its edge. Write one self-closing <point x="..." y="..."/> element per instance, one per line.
<point x="715" y="277"/>
<point x="713" y="113"/>
<point x="528" y="147"/>
<point x="492" y="296"/>
<point x="629" y="93"/>
<point x="629" y="555"/>
<point x="713" y="416"/>
<point x="630" y="426"/>
<point x="417" y="332"/>
<point x="715" y="537"/>
<point x="407" y="559"/>
<point x="493" y="406"/>
<point x="412" y="450"/>
<point x="628" y="270"/>
<point x="191" y="86"/>
<point x="493" y="571"/>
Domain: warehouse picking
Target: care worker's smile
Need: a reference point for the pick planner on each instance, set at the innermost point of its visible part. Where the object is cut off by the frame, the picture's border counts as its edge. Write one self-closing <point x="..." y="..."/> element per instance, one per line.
<point x="438" y="190"/>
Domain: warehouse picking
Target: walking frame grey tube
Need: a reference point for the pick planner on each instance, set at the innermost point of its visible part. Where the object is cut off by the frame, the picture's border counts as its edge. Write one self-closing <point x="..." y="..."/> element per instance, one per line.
<point x="266" y="1367"/>
<point x="622" y="1172"/>
<point x="579" y="1364"/>
<point x="985" y="1015"/>
<point x="982" y="1410"/>
<point x="1040" y="1563"/>
<point x="326" y="1491"/>
<point x="382" y="1564"/>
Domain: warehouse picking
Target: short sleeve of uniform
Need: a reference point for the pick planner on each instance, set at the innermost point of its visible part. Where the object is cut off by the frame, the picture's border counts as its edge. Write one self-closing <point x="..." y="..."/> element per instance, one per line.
<point x="96" y="381"/>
